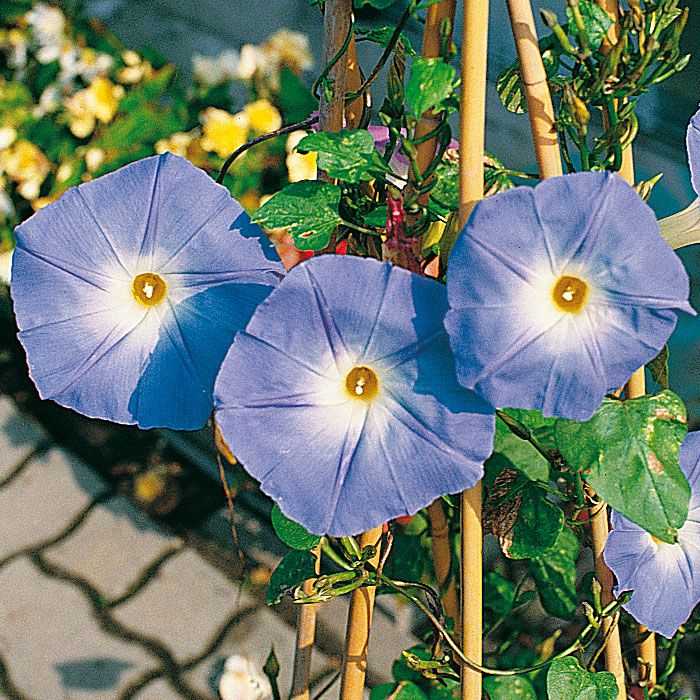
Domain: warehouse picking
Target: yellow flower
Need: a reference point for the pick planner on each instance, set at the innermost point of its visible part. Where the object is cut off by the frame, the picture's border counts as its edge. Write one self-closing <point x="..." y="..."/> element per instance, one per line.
<point x="263" y="116"/>
<point x="300" y="166"/>
<point x="222" y="132"/>
<point x="41" y="202"/>
<point x="99" y="102"/>
<point x="176" y="143"/>
<point x="250" y="200"/>
<point x="24" y="163"/>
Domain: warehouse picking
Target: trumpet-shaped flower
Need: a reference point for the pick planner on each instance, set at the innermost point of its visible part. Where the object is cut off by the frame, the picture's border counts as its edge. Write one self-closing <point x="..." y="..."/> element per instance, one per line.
<point x="129" y="289"/>
<point x="559" y="292"/>
<point x="683" y="228"/>
<point x="340" y="397"/>
<point x="664" y="578"/>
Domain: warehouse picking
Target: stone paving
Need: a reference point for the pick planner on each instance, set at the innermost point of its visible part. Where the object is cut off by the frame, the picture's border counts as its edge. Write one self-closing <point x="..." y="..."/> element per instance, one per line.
<point x="99" y="602"/>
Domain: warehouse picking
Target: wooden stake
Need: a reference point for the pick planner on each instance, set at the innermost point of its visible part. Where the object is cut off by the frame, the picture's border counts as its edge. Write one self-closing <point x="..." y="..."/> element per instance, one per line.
<point x="336" y="25"/>
<point x="354" y="108"/>
<point x="306" y="636"/>
<point x="442" y="558"/>
<point x="352" y="682"/>
<point x="534" y="80"/>
<point x="472" y="129"/>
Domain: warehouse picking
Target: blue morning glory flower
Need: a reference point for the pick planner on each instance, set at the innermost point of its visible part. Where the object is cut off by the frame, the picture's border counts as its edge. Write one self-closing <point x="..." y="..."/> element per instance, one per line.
<point x="129" y="289"/>
<point x="340" y="397"/>
<point x="559" y="293"/>
<point x="665" y="577"/>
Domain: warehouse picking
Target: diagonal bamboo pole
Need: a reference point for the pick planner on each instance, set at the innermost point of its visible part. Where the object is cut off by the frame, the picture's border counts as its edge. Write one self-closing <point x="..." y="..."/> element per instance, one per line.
<point x="534" y="80"/>
<point x="472" y="131"/>
<point x="336" y="25"/>
<point x="354" y="670"/>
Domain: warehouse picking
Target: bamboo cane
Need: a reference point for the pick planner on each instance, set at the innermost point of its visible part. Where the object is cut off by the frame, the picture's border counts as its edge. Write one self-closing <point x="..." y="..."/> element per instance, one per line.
<point x="472" y="129"/>
<point x="442" y="558"/>
<point x="354" y="668"/>
<point x="354" y="108"/>
<point x="534" y="80"/>
<point x="336" y="25"/>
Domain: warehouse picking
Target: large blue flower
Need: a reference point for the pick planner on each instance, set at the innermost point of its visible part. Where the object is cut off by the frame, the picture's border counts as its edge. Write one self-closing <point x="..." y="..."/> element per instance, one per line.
<point x="340" y="397"/>
<point x="665" y="577"/>
<point x="129" y="289"/>
<point x="559" y="292"/>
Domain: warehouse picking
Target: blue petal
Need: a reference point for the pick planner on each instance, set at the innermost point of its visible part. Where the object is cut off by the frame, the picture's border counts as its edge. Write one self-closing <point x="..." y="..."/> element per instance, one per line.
<point x="693" y="144"/>
<point x="337" y="465"/>
<point x="89" y="345"/>
<point x="511" y="344"/>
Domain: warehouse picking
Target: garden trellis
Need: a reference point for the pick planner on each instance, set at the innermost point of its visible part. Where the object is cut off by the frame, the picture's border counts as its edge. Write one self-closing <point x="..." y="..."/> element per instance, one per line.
<point x="442" y="342"/>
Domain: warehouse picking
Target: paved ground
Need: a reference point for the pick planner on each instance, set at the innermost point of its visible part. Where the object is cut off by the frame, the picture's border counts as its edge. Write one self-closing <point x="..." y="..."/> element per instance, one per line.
<point x="99" y="602"/>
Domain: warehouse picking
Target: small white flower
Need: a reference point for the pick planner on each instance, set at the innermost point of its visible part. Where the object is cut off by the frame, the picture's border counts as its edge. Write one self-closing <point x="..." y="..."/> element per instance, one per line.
<point x="214" y="70"/>
<point x="5" y="262"/>
<point x="47" y="23"/>
<point x="8" y="135"/>
<point x="243" y="681"/>
<point x="49" y="101"/>
<point x="253" y="59"/>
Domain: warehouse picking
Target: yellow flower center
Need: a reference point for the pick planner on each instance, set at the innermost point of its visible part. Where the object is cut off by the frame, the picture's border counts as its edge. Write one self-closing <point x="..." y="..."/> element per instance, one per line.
<point x="362" y="383"/>
<point x="569" y="294"/>
<point x="149" y="288"/>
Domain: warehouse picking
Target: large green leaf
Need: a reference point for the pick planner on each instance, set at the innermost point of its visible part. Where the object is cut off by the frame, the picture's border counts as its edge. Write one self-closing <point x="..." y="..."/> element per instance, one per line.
<point x="309" y="209"/>
<point x="346" y="155"/>
<point x="538" y="525"/>
<point x="596" y="22"/>
<point x="519" y="453"/>
<point x="430" y="83"/>
<point x="554" y="574"/>
<point x="296" y="567"/>
<point x="658" y="368"/>
<point x="499" y="593"/>
<point x="382" y="36"/>
<point x="509" y="688"/>
<point x="628" y="452"/>
<point x="291" y="533"/>
<point x="566" y="680"/>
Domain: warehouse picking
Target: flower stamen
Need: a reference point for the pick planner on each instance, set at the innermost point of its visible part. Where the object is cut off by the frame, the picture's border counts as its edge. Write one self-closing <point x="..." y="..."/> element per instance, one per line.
<point x="149" y="288"/>
<point x="570" y="294"/>
<point x="362" y="383"/>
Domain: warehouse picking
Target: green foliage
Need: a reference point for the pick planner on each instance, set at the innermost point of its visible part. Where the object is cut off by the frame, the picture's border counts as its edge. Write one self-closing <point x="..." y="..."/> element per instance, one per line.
<point x="517" y="453"/>
<point x="538" y="524"/>
<point x="431" y="84"/>
<point x="296" y="567"/>
<point x="382" y="36"/>
<point x="346" y="155"/>
<point x="591" y="21"/>
<point x="509" y="687"/>
<point x="566" y="680"/>
<point x="294" y="98"/>
<point x="376" y="4"/>
<point x="658" y="368"/>
<point x="499" y="593"/>
<point x="554" y="574"/>
<point x="309" y="209"/>
<point x="291" y="533"/>
<point x="403" y="690"/>
<point x="630" y="448"/>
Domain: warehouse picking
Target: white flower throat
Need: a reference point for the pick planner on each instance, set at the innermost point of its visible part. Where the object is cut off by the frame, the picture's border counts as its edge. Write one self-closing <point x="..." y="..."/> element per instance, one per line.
<point x="362" y="383"/>
<point x="570" y="294"/>
<point x="149" y="289"/>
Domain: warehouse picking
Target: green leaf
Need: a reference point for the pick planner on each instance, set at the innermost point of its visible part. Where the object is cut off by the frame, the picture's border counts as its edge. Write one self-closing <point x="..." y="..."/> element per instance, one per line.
<point x="499" y="593"/>
<point x="658" y="368"/>
<point x="346" y="155"/>
<point x="400" y="669"/>
<point x="596" y="22"/>
<point x="509" y="84"/>
<point x="538" y="525"/>
<point x="509" y="688"/>
<point x="296" y="567"/>
<point x="376" y="218"/>
<point x="291" y="533"/>
<point x="404" y="690"/>
<point x="566" y="680"/>
<point x="430" y="83"/>
<point x="295" y="98"/>
<point x="628" y="453"/>
<point x="309" y="209"/>
<point x="554" y="574"/>
<point x="519" y="453"/>
<point x="382" y="36"/>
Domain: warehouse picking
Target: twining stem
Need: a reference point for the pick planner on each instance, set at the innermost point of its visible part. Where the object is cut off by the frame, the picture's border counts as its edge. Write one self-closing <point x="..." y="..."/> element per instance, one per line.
<point x="438" y="18"/>
<point x="472" y="134"/>
<point x="537" y="94"/>
<point x="442" y="558"/>
<point x="354" y="666"/>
